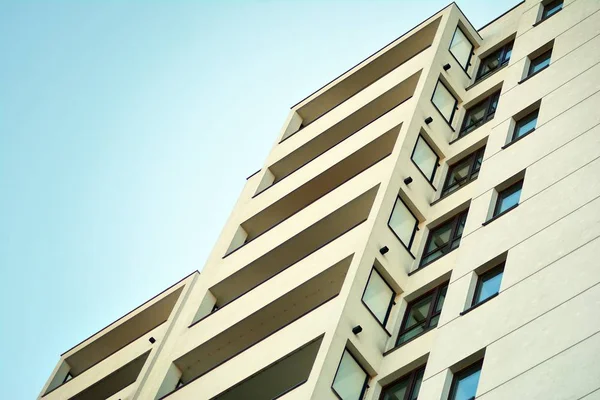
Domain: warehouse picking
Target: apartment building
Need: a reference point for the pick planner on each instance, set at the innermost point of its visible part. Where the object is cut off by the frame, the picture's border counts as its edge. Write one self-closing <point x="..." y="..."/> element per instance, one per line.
<point x="426" y="226"/>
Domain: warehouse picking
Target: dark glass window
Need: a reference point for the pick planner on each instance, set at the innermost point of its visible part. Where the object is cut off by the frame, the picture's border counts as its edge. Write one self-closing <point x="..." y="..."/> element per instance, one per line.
<point x="405" y="388"/>
<point x="444" y="101"/>
<point x="461" y="48"/>
<point x="497" y="59"/>
<point x="444" y="238"/>
<point x="464" y="383"/>
<point x="539" y="63"/>
<point x="463" y="172"/>
<point x="525" y="125"/>
<point x="479" y="114"/>
<point x="508" y="198"/>
<point x="488" y="284"/>
<point x="378" y="297"/>
<point x="551" y="8"/>
<point x="422" y="314"/>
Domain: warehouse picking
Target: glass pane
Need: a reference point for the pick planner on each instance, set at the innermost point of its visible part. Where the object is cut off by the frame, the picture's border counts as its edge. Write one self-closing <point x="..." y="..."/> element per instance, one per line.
<point x="406" y="336"/>
<point x="551" y="9"/>
<point x="378" y="296"/>
<point x="507" y="53"/>
<point x="475" y="115"/>
<point x="525" y="125"/>
<point x="444" y="101"/>
<point x="489" y="63"/>
<point x="461" y="48"/>
<point x="349" y="379"/>
<point x="466" y="386"/>
<point x="398" y="391"/>
<point x="440" y="302"/>
<point x="418" y="312"/>
<point x="508" y="198"/>
<point x="425" y="158"/>
<point x="489" y="286"/>
<point x="439" y="237"/>
<point x="417" y="386"/>
<point x="434" y="321"/>
<point x="539" y="63"/>
<point x="402" y="222"/>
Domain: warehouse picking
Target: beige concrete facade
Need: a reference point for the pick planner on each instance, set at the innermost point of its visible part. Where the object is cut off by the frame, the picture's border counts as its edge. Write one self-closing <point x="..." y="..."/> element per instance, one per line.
<point x="274" y="309"/>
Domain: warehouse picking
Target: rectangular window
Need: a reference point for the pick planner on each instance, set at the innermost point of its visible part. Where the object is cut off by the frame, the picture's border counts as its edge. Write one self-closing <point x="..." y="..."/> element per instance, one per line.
<point x="350" y="379"/>
<point x="494" y="61"/>
<point x="443" y="239"/>
<point x="551" y="8"/>
<point x="508" y="198"/>
<point x="539" y="63"/>
<point x="378" y="297"/>
<point x="405" y="388"/>
<point x="525" y="125"/>
<point x="464" y="383"/>
<point x="463" y="172"/>
<point x="461" y="48"/>
<point x="488" y="285"/>
<point x="444" y="101"/>
<point x="425" y="158"/>
<point x="479" y="114"/>
<point x="422" y="314"/>
<point x="403" y="223"/>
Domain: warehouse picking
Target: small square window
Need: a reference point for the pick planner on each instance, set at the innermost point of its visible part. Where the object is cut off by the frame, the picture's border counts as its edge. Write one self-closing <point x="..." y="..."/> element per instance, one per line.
<point x="465" y="382"/>
<point x="378" y="297"/>
<point x="508" y="198"/>
<point x="425" y="158"/>
<point x="539" y="63"/>
<point x="443" y="239"/>
<point x="463" y="172"/>
<point x="551" y="8"/>
<point x="488" y="285"/>
<point x="350" y="379"/>
<point x="405" y="388"/>
<point x="444" y="101"/>
<point x="525" y="125"/>
<point x="494" y="61"/>
<point x="479" y="114"/>
<point x="403" y="223"/>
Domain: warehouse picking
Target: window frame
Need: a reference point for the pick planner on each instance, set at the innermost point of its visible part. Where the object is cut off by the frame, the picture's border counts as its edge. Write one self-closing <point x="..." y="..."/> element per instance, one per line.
<point x="449" y="122"/>
<point x="473" y="157"/>
<point x="390" y="303"/>
<point x="415" y="228"/>
<point x="466" y="67"/>
<point x="489" y="115"/>
<point x="437" y="158"/>
<point x="498" y="269"/>
<point x="454" y="222"/>
<point x="367" y="376"/>
<point x="412" y="380"/>
<point x="432" y="313"/>
<point x="530" y="73"/>
<point x="547" y="6"/>
<point x="499" y="53"/>
<point x="463" y="373"/>
<point x="509" y="190"/>
<point x="521" y="122"/>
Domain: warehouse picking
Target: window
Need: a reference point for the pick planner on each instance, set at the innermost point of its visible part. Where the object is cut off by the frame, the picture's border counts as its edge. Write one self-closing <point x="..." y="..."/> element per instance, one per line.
<point x="488" y="285"/>
<point x="494" y="61"/>
<point x="425" y="158"/>
<point x="405" y="388"/>
<point x="508" y="198"/>
<point x="479" y="114"/>
<point x="551" y="8"/>
<point x="539" y="63"/>
<point x="463" y="172"/>
<point x="403" y="223"/>
<point x="350" y="379"/>
<point x="525" y="125"/>
<point x="443" y="239"/>
<point x="461" y="48"/>
<point x="422" y="314"/>
<point x="444" y="101"/>
<point x="464" y="383"/>
<point x="68" y="377"/>
<point x="378" y="297"/>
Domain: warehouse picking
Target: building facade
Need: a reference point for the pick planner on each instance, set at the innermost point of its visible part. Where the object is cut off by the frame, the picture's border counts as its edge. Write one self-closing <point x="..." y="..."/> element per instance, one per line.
<point x="425" y="226"/>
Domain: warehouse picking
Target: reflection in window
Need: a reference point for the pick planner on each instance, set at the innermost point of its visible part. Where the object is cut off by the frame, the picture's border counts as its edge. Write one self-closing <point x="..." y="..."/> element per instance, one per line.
<point x="403" y="223"/>
<point x="350" y="379"/>
<point x="425" y="158"/>
<point x="463" y="172"/>
<point x="464" y="383"/>
<point x="488" y="284"/>
<point x="422" y="314"/>
<point x="479" y="114"/>
<point x="494" y="61"/>
<point x="443" y="239"/>
<point x="508" y="198"/>
<point x="405" y="388"/>
<point x="539" y="63"/>
<point x="444" y="101"/>
<point x="461" y="48"/>
<point x="551" y="8"/>
<point x="525" y="125"/>
<point x="378" y="296"/>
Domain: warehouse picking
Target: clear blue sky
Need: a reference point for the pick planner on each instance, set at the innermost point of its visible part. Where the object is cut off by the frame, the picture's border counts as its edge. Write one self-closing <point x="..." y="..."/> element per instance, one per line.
<point x="127" y="129"/>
